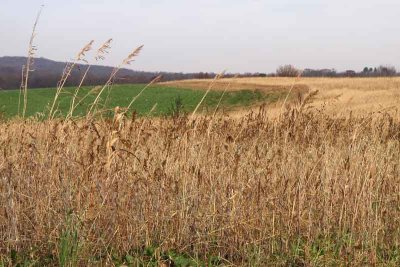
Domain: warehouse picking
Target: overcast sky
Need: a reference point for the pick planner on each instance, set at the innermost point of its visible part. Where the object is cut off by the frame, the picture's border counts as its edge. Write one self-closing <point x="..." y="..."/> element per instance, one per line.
<point x="211" y="35"/>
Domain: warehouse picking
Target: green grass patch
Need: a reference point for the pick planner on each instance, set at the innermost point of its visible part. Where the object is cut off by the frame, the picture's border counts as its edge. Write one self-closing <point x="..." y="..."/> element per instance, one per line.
<point x="39" y="100"/>
<point x="322" y="251"/>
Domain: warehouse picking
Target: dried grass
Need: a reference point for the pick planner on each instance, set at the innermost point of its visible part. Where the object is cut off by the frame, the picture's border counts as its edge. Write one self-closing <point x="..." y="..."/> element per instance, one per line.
<point x="28" y="67"/>
<point x="253" y="183"/>
<point x="301" y="189"/>
<point x="337" y="96"/>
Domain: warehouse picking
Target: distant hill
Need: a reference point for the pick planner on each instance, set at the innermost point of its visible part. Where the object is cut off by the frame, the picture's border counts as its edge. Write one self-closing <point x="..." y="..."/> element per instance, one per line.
<point x="48" y="72"/>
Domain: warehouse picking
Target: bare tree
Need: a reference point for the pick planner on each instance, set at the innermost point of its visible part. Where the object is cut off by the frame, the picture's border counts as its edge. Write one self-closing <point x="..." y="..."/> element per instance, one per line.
<point x="287" y="71"/>
<point x="386" y="70"/>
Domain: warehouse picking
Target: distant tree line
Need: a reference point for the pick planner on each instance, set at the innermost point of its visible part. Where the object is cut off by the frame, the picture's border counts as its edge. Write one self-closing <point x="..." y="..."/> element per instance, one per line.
<point x="47" y="73"/>
<point x="380" y="71"/>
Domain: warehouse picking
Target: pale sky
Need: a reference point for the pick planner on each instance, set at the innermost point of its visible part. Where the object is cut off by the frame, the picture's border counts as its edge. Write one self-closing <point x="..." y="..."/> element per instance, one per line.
<point x="211" y="35"/>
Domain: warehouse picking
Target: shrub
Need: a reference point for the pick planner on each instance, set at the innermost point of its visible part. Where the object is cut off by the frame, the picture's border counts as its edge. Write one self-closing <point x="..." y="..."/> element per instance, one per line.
<point x="287" y="71"/>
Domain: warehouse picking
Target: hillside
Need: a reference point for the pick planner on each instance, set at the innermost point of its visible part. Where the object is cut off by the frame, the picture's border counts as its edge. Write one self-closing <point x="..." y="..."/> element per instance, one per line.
<point x="48" y="72"/>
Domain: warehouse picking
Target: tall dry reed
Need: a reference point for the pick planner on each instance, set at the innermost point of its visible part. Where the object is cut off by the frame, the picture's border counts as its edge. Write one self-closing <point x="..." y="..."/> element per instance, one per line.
<point x="28" y="68"/>
<point x="299" y="189"/>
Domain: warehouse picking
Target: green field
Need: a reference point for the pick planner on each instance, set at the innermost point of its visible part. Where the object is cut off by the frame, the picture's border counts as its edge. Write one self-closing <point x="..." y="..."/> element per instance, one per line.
<point x="39" y="100"/>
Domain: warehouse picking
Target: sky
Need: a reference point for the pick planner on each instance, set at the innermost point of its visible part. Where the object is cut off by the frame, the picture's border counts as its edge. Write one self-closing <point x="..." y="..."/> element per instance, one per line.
<point x="210" y="35"/>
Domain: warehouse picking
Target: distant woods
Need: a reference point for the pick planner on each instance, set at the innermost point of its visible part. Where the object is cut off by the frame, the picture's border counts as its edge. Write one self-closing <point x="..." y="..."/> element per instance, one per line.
<point x="380" y="71"/>
<point x="47" y="73"/>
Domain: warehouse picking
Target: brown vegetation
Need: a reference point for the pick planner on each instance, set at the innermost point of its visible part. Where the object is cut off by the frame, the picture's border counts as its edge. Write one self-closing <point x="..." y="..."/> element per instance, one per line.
<point x="287" y="71"/>
<point x="303" y="188"/>
<point x="337" y="96"/>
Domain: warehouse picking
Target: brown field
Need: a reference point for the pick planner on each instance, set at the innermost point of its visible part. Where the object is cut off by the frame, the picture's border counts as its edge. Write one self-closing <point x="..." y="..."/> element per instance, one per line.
<point x="338" y="96"/>
<point x="302" y="189"/>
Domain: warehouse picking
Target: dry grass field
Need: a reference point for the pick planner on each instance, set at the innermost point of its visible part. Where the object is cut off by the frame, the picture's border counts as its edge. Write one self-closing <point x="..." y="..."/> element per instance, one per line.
<point x="312" y="179"/>
<point x="301" y="189"/>
<point x="337" y="96"/>
<point x="307" y="174"/>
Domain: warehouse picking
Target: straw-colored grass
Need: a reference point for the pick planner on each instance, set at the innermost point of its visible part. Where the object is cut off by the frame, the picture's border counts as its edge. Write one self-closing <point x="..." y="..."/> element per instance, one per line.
<point x="338" y="96"/>
<point x="302" y="189"/>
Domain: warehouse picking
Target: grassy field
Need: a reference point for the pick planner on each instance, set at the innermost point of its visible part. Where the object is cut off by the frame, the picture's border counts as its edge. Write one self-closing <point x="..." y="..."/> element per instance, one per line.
<point x="285" y="185"/>
<point x="39" y="100"/>
<point x="337" y="96"/>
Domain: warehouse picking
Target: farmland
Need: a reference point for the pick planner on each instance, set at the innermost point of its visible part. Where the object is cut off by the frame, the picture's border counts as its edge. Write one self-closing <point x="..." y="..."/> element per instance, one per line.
<point x="337" y="96"/>
<point x="121" y="95"/>
<point x="313" y="180"/>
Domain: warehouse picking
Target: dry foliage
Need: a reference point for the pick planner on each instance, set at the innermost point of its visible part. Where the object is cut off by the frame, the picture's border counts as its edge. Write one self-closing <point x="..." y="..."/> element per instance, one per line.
<point x="254" y="191"/>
